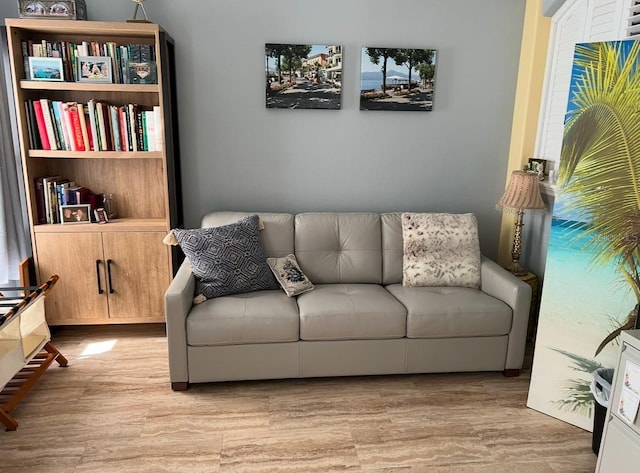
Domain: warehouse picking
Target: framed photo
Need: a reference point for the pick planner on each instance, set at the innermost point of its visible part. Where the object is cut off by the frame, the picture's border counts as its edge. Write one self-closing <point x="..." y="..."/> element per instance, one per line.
<point x="142" y="72"/>
<point x="94" y="69"/>
<point x="79" y="213"/>
<point x="46" y="68"/>
<point x="101" y="215"/>
<point x="538" y="165"/>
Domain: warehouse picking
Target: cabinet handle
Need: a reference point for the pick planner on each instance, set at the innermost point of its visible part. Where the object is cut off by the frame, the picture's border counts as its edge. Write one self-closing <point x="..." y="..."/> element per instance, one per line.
<point x="100" y="291"/>
<point x="111" y="290"/>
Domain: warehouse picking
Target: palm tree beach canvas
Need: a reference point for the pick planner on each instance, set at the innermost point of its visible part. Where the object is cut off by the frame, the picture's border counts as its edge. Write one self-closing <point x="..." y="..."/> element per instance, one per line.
<point x="591" y="284"/>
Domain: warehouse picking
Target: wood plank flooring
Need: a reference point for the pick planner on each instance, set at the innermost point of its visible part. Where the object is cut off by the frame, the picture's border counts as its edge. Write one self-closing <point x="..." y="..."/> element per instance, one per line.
<point x="112" y="411"/>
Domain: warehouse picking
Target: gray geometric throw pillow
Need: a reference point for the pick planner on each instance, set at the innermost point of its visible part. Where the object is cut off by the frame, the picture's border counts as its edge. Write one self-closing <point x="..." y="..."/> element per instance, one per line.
<point x="229" y="259"/>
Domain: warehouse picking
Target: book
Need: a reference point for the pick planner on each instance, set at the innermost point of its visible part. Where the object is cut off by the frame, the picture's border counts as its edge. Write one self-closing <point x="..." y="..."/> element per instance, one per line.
<point x="48" y="121"/>
<point x="150" y="130"/>
<point x="50" y="205"/>
<point x="102" y="126"/>
<point x="39" y="194"/>
<point x="132" y="126"/>
<point x="68" y="127"/>
<point x="158" y="128"/>
<point x="82" y="116"/>
<point x="91" y="108"/>
<point x="42" y="128"/>
<point x="70" y="195"/>
<point x="76" y="128"/>
<point x="32" y="126"/>
<point x="115" y="127"/>
<point x="57" y="110"/>
<point x="82" y="195"/>
<point x="124" y="129"/>
<point x="139" y="130"/>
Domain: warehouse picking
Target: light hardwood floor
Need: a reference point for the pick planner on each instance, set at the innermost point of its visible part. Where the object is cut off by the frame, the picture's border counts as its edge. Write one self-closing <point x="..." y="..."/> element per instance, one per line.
<point x="112" y="410"/>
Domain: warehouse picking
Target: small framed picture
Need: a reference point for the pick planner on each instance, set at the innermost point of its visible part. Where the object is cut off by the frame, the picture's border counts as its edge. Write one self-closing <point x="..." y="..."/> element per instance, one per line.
<point x="94" y="69"/>
<point x="538" y="165"/>
<point x="142" y="72"/>
<point x="101" y="215"/>
<point x="46" y="68"/>
<point x="79" y="213"/>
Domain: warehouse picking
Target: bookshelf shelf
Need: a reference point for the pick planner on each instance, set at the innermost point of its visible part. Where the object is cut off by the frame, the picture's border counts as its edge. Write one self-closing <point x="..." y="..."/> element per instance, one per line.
<point x="83" y="86"/>
<point x="124" y="258"/>
<point x="39" y="153"/>
<point x="117" y="225"/>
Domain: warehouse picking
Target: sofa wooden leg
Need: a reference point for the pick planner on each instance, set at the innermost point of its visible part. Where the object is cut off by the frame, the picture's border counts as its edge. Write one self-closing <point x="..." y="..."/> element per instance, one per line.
<point x="511" y="373"/>
<point x="180" y="386"/>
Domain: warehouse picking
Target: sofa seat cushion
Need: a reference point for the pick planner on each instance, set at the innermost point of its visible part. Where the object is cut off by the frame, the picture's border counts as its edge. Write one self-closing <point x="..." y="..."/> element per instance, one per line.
<point x="253" y="317"/>
<point x="350" y="312"/>
<point x="441" y="312"/>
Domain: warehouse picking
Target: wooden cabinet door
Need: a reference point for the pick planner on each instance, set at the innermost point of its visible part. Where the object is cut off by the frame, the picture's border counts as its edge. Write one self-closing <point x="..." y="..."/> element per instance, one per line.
<point x="138" y="267"/>
<point x="72" y="256"/>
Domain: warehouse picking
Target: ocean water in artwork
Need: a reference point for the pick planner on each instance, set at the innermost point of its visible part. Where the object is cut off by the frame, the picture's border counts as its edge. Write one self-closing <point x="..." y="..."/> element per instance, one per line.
<point x="581" y="303"/>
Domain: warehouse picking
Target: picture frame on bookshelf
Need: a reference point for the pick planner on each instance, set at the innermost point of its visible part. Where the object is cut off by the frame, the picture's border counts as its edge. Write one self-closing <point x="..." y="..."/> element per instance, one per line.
<point x="46" y="68"/>
<point x="72" y="214"/>
<point x="142" y="72"/>
<point x="101" y="215"/>
<point x="95" y="69"/>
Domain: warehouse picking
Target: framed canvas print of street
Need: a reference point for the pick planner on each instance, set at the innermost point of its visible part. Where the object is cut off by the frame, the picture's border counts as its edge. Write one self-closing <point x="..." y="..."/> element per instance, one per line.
<point x="303" y="76"/>
<point x="397" y="79"/>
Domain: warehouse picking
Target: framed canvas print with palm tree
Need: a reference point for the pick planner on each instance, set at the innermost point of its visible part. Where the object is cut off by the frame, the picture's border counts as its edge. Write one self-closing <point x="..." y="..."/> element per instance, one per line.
<point x="591" y="286"/>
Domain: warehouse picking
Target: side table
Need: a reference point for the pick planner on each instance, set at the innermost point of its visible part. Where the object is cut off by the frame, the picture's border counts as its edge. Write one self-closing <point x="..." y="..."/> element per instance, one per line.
<point x="533" y="281"/>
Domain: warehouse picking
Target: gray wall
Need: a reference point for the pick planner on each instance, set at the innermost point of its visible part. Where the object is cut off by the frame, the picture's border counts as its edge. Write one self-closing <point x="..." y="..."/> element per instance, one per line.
<point x="549" y="7"/>
<point x="238" y="155"/>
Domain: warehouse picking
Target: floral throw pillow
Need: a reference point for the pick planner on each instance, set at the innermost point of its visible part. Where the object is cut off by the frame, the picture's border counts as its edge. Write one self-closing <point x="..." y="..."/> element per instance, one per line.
<point x="440" y="250"/>
<point x="291" y="278"/>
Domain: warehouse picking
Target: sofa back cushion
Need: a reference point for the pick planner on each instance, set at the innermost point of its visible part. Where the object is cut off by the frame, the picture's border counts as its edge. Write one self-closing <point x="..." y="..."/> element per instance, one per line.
<point x="339" y="247"/>
<point x="392" y="250"/>
<point x="277" y="235"/>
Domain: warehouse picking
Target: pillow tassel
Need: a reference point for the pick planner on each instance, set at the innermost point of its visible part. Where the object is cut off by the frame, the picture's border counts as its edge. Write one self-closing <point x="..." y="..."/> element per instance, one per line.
<point x="170" y="239"/>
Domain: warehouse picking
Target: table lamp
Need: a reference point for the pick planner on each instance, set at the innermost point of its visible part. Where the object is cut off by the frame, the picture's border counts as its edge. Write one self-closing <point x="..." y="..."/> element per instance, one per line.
<point x="521" y="194"/>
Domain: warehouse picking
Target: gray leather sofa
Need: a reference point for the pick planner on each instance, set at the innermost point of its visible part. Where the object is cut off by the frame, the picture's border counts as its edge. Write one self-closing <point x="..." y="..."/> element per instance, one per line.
<point x="359" y="319"/>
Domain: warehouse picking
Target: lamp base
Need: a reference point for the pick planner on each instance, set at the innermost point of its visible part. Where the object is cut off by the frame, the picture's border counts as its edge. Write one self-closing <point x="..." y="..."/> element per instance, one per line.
<point x="516" y="269"/>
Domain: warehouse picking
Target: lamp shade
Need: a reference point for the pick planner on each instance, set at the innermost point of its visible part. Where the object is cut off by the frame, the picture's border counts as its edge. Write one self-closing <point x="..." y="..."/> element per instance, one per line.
<point x="522" y="193"/>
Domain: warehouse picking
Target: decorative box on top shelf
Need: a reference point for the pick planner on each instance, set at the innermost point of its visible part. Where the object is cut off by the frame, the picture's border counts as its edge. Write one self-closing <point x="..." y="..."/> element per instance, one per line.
<point x="53" y="9"/>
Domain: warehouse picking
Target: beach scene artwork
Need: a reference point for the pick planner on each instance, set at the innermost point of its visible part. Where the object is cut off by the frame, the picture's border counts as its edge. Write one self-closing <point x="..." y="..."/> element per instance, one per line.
<point x="397" y="79"/>
<point x="303" y="76"/>
<point x="591" y="283"/>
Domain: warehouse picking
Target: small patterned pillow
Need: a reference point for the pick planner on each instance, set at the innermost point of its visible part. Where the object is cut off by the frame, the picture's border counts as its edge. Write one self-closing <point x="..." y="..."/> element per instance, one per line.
<point x="228" y="259"/>
<point x="289" y="275"/>
<point x="440" y="250"/>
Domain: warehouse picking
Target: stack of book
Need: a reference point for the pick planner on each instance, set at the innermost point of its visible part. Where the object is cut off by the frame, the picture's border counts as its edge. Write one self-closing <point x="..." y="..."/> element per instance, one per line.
<point x="55" y="191"/>
<point x="94" y="126"/>
<point x="70" y="52"/>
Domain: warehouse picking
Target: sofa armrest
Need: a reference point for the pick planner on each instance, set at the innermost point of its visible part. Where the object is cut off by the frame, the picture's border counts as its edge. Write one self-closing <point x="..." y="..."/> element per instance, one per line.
<point x="503" y="285"/>
<point x="178" y="300"/>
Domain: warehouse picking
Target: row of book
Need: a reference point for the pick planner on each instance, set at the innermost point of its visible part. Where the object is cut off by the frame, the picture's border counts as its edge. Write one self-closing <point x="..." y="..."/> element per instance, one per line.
<point x="69" y="52"/>
<point x="52" y="193"/>
<point x="94" y="126"/>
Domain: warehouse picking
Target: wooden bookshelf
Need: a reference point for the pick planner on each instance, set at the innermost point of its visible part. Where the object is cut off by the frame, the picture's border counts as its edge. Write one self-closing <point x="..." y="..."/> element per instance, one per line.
<point x="115" y="272"/>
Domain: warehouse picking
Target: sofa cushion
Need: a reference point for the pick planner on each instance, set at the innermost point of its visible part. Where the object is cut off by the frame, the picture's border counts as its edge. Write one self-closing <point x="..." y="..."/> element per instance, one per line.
<point x="255" y="317"/>
<point x="391" y="224"/>
<point x="339" y="247"/>
<point x="228" y="259"/>
<point x="349" y="312"/>
<point x="440" y="250"/>
<point x="277" y="232"/>
<point x="289" y="275"/>
<point x="441" y="312"/>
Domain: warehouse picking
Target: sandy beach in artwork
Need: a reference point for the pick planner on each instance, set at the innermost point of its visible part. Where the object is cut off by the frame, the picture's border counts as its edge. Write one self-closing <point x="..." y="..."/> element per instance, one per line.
<point x="578" y="309"/>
